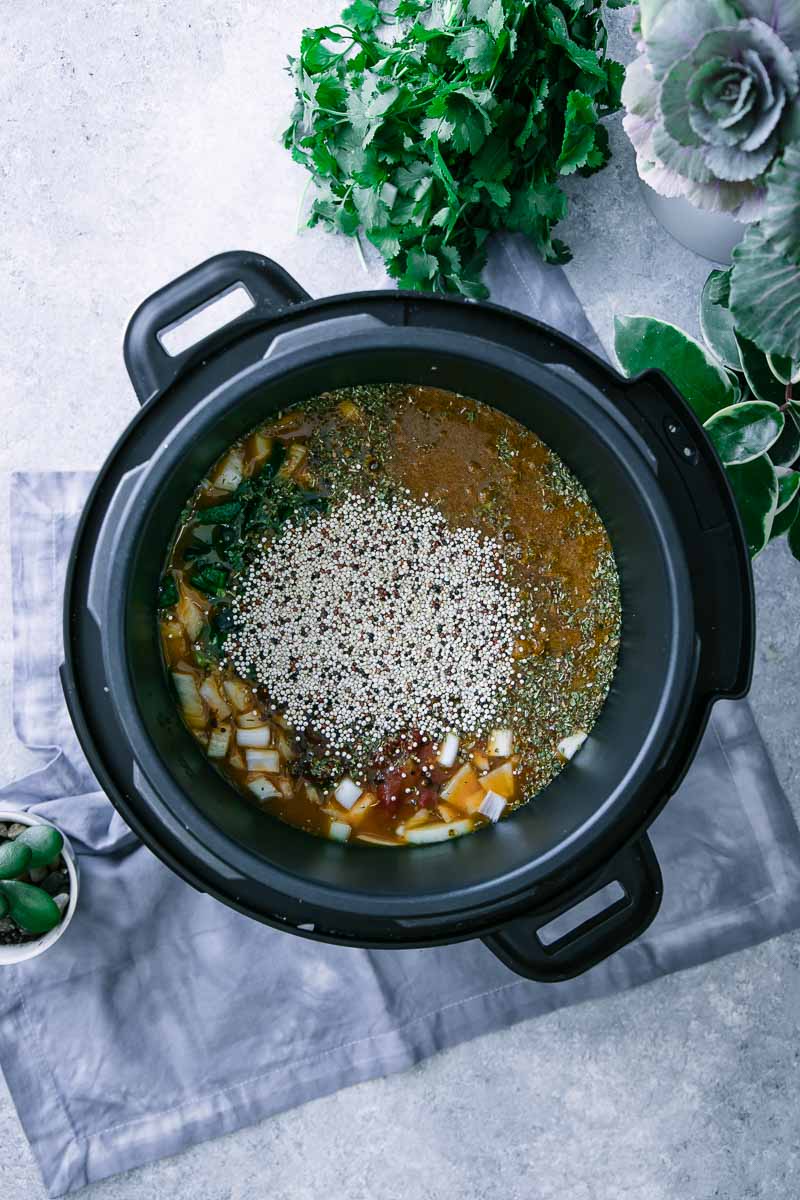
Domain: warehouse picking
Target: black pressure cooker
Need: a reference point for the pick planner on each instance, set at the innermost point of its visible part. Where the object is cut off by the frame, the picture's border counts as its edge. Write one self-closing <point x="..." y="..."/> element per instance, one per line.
<point x="687" y="626"/>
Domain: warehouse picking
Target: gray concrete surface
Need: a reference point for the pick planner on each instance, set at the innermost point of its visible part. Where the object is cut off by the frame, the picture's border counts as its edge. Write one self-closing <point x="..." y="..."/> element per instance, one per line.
<point x="136" y="139"/>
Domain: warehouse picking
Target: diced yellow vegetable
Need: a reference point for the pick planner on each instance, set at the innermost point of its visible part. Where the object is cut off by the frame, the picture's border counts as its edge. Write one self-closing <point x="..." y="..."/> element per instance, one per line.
<point x="500" y="780"/>
<point x="361" y="807"/>
<point x="349" y="411"/>
<point x="438" y="832"/>
<point x="463" y="790"/>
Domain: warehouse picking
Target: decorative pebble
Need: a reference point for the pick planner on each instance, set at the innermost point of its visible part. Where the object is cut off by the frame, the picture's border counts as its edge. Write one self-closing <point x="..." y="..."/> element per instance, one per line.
<point x="61" y="901"/>
<point x="16" y="829"/>
<point x="55" y="882"/>
<point x="37" y="874"/>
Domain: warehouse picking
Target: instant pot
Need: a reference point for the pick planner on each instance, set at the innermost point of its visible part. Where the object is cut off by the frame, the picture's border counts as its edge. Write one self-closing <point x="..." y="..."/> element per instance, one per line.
<point x="687" y="626"/>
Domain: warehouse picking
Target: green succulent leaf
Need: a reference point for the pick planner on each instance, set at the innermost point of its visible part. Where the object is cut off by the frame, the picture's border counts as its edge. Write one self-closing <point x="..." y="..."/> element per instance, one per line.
<point x="765" y="295"/>
<point x="783" y="368"/>
<point x="788" y="488"/>
<point x="3" y="905"/>
<point x="14" y="859"/>
<point x="44" y="843"/>
<point x="716" y="320"/>
<point x="760" y="378"/>
<point x="785" y="519"/>
<point x="642" y="343"/>
<point x="755" y="486"/>
<point x="786" y="450"/>
<point x="30" y="907"/>
<point x="780" y="224"/>
<point x="744" y="431"/>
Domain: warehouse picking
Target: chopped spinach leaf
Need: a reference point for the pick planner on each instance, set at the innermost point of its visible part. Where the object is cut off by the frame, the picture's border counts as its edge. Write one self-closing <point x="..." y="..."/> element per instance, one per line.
<point x="167" y="592"/>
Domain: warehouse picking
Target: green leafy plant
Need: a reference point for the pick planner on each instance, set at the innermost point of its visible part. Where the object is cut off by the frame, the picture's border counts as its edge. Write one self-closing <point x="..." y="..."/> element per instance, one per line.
<point x="32" y="909"/>
<point x="430" y="125"/>
<point x="714" y="98"/>
<point x="748" y="402"/>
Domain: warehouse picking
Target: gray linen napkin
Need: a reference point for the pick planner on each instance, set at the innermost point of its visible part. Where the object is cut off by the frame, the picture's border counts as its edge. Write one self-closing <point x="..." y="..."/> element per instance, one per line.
<point x="163" y="1018"/>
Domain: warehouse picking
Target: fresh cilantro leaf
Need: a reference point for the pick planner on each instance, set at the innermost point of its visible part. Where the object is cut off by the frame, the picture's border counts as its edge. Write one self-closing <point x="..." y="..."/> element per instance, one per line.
<point x="579" y="133"/>
<point x="420" y="267"/>
<point x="427" y="125"/>
<point x="361" y="14"/>
<point x="475" y="48"/>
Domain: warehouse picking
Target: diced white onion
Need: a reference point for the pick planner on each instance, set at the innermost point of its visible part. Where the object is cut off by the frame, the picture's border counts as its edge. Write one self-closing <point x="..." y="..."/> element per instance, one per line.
<point x="313" y="794"/>
<point x="492" y="806"/>
<point x="239" y="694"/>
<point x="500" y="743"/>
<point x="250" y="720"/>
<point x="347" y="792"/>
<point x="263" y="760"/>
<point x="285" y="787"/>
<point x="262" y="788"/>
<point x="210" y="692"/>
<point x="438" y="832"/>
<point x="189" y="614"/>
<point x="190" y="699"/>
<point x="569" y="746"/>
<point x="253" y="737"/>
<point x="229" y="475"/>
<point x="235" y="760"/>
<point x="218" y="742"/>
<point x="339" y="831"/>
<point x="448" y="750"/>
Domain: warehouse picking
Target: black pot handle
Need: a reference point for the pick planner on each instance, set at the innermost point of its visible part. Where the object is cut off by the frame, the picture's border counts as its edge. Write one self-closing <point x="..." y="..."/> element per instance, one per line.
<point x="636" y="870"/>
<point x="270" y="288"/>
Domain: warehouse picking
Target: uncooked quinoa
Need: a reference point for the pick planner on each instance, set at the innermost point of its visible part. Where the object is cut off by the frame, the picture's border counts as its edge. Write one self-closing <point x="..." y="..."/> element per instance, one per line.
<point x="390" y="615"/>
<point x="377" y="617"/>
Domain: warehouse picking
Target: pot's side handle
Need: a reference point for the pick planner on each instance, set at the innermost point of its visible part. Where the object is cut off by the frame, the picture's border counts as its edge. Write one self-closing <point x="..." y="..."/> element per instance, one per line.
<point x="519" y="945"/>
<point x="247" y="285"/>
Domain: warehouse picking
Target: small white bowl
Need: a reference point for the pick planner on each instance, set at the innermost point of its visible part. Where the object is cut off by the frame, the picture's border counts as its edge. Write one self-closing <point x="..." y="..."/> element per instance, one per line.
<point x="16" y="954"/>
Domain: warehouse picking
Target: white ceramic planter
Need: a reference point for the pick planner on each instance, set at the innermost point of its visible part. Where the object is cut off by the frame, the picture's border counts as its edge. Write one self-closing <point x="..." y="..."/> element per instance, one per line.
<point x="16" y="954"/>
<point x="711" y="235"/>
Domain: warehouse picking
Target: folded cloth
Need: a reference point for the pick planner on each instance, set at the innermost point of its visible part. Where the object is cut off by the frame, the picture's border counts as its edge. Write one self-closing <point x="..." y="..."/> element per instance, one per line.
<point x="162" y="1018"/>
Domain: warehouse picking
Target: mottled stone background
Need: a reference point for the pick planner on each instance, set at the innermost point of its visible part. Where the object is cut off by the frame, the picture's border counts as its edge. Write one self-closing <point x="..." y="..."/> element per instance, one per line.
<point x="137" y="138"/>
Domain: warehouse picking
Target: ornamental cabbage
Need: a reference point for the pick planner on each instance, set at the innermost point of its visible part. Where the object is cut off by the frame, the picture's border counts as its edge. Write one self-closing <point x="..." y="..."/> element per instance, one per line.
<point x="714" y="98"/>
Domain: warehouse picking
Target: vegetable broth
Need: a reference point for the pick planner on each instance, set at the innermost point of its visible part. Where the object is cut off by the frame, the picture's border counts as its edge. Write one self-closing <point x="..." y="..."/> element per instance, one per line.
<point x="416" y="580"/>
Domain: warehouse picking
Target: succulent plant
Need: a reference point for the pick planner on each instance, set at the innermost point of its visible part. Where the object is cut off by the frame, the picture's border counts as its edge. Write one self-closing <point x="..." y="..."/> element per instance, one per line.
<point x="748" y="402"/>
<point x="714" y="98"/>
<point x="31" y="908"/>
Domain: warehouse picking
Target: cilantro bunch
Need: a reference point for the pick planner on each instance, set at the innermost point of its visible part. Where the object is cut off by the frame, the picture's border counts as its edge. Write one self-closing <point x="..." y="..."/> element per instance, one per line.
<point x="428" y="126"/>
